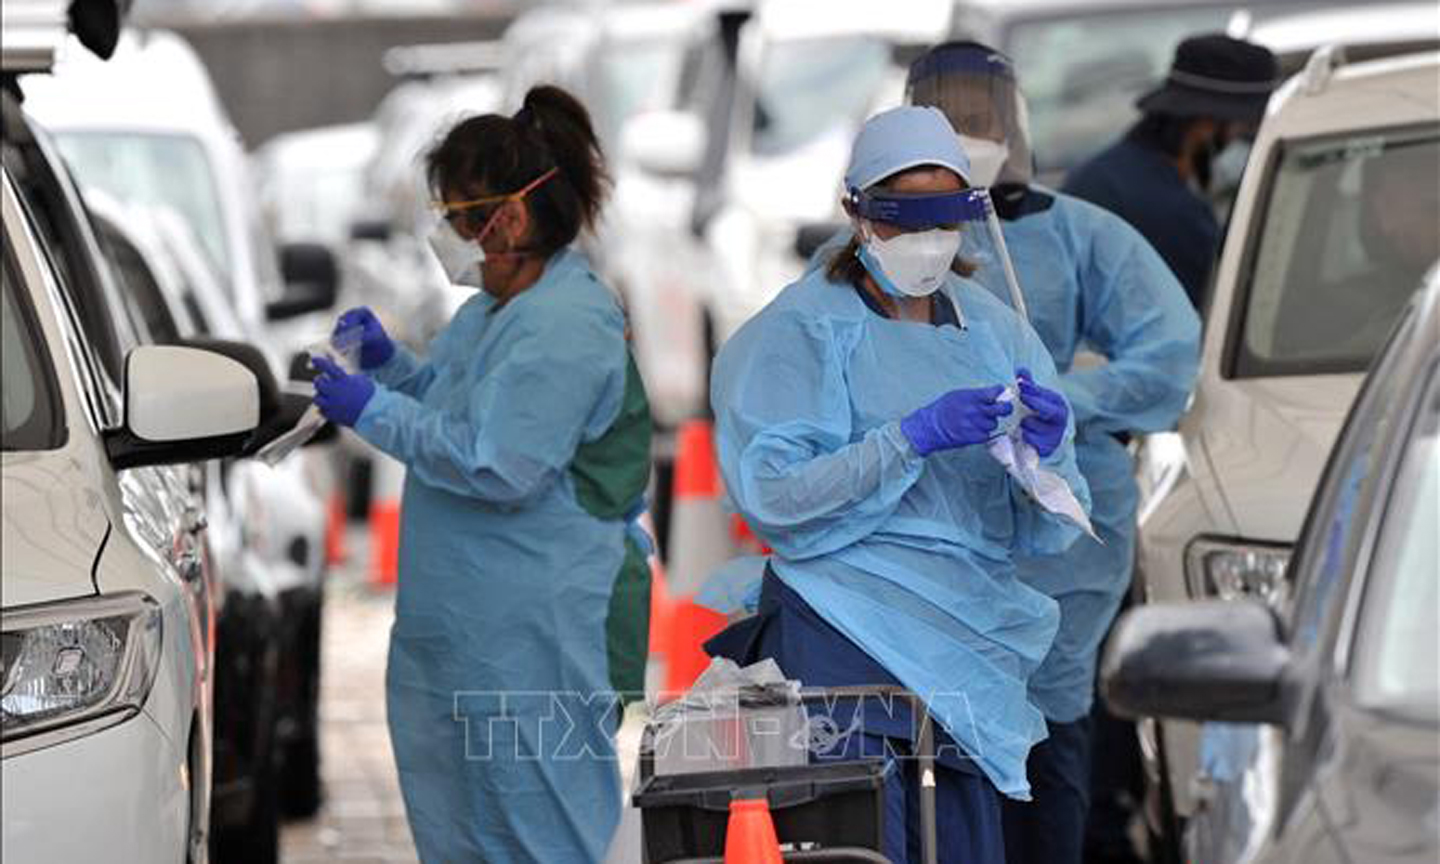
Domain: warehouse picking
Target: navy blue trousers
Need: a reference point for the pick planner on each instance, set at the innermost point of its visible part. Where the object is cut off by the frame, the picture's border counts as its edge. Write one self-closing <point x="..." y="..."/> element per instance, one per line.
<point x="810" y="650"/>
<point x="967" y="807"/>
<point x="1050" y="829"/>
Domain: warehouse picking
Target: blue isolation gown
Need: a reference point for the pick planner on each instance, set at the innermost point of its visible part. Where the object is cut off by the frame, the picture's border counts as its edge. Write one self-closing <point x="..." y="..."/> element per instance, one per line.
<point x="522" y="598"/>
<point x="1093" y="282"/>
<point x="909" y="557"/>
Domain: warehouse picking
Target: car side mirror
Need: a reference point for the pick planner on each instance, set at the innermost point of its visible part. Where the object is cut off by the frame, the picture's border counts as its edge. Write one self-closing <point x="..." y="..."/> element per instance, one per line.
<point x="373" y="230"/>
<point x="312" y="280"/>
<point x="810" y="238"/>
<point x="1210" y="660"/>
<point x="664" y="143"/>
<point x="184" y="404"/>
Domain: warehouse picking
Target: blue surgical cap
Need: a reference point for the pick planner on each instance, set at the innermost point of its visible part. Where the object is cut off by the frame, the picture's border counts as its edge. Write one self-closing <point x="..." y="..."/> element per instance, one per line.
<point x="901" y="138"/>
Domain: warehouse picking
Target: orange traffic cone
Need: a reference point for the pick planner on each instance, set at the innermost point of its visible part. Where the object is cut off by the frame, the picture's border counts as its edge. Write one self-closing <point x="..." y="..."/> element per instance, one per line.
<point x="389" y="482"/>
<point x="745" y="538"/>
<point x="701" y="543"/>
<point x="335" y="524"/>
<point x="750" y="834"/>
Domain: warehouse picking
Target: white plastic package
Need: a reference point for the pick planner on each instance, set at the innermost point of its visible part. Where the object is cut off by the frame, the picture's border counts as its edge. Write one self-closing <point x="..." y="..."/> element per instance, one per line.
<point x="342" y="349"/>
<point x="732" y="718"/>
<point x="1022" y="461"/>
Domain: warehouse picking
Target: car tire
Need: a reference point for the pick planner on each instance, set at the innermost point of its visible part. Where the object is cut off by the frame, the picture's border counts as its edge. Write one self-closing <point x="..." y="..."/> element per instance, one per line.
<point x="301" y="791"/>
<point x="257" y="841"/>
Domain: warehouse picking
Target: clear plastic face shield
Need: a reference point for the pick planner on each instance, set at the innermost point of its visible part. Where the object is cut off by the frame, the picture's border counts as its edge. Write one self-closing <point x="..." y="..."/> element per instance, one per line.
<point x="975" y="87"/>
<point x="935" y="230"/>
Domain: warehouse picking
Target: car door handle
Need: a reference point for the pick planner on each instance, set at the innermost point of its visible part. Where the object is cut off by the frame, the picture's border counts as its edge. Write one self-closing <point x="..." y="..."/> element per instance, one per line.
<point x="195" y="521"/>
<point x="1202" y="788"/>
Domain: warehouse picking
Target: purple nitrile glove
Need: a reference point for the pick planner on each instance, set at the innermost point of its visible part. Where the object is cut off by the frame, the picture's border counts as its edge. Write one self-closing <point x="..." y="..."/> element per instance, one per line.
<point x="957" y="419"/>
<point x="1044" y="428"/>
<point x="376" y="347"/>
<point x="340" y="397"/>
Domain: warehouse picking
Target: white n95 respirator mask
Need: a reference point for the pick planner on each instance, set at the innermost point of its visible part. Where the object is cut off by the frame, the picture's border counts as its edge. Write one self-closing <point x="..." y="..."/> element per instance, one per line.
<point x="460" y="258"/>
<point x="910" y="265"/>
<point x="986" y="159"/>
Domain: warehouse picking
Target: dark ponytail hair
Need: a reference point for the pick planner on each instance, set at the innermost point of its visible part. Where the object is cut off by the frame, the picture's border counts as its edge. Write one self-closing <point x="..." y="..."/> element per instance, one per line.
<point x="494" y="155"/>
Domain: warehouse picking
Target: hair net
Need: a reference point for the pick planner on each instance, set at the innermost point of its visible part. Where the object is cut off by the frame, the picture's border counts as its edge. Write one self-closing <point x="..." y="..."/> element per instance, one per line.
<point x="902" y="138"/>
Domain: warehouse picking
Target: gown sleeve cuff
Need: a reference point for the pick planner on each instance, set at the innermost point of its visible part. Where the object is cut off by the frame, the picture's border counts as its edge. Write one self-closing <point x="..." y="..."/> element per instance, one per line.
<point x="401" y="365"/>
<point x="910" y="459"/>
<point x="376" y="421"/>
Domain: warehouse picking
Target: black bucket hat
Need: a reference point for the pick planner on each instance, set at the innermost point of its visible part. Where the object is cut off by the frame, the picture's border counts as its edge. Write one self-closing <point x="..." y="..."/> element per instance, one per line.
<point x="1216" y="76"/>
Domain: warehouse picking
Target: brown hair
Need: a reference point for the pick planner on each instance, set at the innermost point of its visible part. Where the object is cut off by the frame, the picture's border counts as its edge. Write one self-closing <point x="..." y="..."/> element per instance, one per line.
<point x="495" y="154"/>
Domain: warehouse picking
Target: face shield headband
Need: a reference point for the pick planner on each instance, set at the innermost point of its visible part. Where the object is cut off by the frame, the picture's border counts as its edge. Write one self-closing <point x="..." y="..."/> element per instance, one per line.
<point x="925" y="212"/>
<point x="964" y="58"/>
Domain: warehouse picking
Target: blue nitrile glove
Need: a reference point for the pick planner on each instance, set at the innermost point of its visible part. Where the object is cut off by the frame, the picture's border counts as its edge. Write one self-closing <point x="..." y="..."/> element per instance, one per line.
<point x="341" y="397"/>
<point x="376" y="348"/>
<point x="1044" y="428"/>
<point x="957" y="419"/>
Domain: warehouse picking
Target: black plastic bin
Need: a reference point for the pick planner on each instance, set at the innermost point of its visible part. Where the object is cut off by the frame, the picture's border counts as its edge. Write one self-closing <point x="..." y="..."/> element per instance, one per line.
<point x="829" y="805"/>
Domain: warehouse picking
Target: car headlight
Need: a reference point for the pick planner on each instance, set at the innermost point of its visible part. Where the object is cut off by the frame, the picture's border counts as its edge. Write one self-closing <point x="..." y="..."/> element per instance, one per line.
<point x="77" y="661"/>
<point x="1220" y="569"/>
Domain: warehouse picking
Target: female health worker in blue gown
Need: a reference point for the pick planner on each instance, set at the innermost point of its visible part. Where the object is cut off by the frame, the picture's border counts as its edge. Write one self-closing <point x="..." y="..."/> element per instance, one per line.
<point x="1091" y="283"/>
<point x="523" y="591"/>
<point x="852" y="415"/>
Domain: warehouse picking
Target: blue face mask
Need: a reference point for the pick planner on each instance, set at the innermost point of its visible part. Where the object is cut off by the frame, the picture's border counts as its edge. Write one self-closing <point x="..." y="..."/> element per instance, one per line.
<point x="1228" y="165"/>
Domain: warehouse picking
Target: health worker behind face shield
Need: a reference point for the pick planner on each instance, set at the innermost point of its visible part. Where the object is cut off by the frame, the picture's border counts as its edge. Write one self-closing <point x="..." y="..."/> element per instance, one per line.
<point x="852" y="418"/>
<point x="523" y="594"/>
<point x="1090" y="281"/>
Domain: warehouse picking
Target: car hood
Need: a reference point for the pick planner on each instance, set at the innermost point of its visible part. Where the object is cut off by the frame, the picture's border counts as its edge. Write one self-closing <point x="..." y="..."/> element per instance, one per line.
<point x="1267" y="440"/>
<point x="54" y="526"/>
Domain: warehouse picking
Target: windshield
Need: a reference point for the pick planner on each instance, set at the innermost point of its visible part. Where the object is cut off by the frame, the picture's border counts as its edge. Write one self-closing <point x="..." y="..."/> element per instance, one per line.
<point x="1399" y="635"/>
<point x="29" y="403"/>
<point x="1083" y="71"/>
<point x="809" y="86"/>
<point x="1082" y="74"/>
<point x="635" y="77"/>
<point x="1348" y="227"/>
<point x="153" y="169"/>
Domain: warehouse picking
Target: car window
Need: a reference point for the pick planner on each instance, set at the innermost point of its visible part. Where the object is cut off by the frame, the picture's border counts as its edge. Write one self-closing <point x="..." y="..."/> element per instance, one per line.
<point x="1328" y="546"/>
<point x="197" y="315"/>
<point x="809" y="86"/>
<point x="1082" y="72"/>
<point x="1399" y="635"/>
<point x="154" y="170"/>
<point x="31" y="417"/>
<point x="57" y="215"/>
<point x="635" y="76"/>
<point x="143" y="298"/>
<point x="1348" y="226"/>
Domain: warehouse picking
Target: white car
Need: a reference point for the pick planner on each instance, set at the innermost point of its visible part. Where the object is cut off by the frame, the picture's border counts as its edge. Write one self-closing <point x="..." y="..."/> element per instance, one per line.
<point x="147" y="128"/>
<point x="389" y="263"/>
<point x="1368" y="31"/>
<point x="1083" y="63"/>
<point x="108" y="610"/>
<point x="312" y="182"/>
<point x="1336" y="222"/>
<point x="108" y="625"/>
<point x="646" y="66"/>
